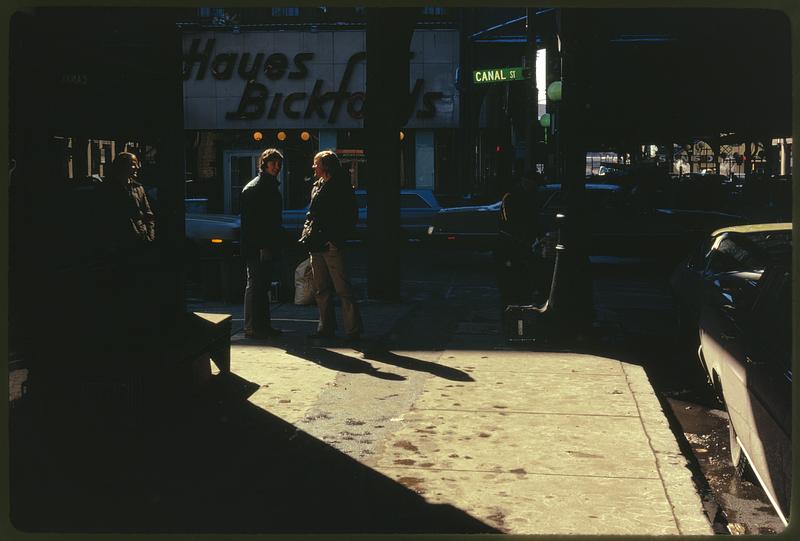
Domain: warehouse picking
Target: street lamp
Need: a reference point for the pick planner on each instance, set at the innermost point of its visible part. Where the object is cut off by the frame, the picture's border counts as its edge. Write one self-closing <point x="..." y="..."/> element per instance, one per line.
<point x="544" y="120"/>
<point x="554" y="91"/>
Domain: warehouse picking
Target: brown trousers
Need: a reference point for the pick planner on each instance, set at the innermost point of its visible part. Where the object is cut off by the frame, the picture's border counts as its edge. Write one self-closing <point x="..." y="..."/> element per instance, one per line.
<point x="329" y="274"/>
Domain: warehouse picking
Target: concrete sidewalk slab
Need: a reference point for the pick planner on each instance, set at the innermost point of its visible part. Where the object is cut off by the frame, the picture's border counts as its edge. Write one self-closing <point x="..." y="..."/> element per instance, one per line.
<point x="522" y="443"/>
<point x="527" y="442"/>
<point x="550" y="505"/>
<point x="565" y="444"/>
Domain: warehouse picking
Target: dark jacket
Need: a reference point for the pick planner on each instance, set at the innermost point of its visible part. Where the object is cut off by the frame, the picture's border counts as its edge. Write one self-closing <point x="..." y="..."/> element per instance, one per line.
<point x="261" y="209"/>
<point x="130" y="219"/>
<point x="332" y="215"/>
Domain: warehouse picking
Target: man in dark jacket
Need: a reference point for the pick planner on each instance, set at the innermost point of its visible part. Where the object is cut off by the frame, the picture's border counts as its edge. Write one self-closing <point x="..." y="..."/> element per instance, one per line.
<point x="331" y="220"/>
<point x="131" y="220"/>
<point x="262" y="238"/>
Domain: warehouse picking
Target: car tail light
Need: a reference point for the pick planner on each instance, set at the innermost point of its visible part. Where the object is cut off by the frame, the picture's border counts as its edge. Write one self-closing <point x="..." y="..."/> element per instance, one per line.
<point x="451" y="237"/>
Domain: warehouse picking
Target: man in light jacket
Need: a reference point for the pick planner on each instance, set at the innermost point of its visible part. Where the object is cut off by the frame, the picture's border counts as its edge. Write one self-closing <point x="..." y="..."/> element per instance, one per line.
<point x="331" y="220"/>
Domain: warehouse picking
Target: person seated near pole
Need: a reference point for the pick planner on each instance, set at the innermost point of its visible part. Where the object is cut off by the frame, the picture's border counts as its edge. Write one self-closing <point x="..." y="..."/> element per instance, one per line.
<point x="517" y="273"/>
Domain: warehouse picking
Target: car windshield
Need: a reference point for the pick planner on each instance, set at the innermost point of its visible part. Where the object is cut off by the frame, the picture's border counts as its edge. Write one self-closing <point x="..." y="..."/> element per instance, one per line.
<point x="776" y="244"/>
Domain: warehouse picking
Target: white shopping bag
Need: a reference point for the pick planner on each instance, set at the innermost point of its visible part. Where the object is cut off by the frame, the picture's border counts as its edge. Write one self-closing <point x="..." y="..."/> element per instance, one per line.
<point x="303" y="283"/>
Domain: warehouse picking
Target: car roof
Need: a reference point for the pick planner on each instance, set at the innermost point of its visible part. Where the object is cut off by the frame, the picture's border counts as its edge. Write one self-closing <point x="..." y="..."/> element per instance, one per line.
<point x="754" y="228"/>
<point x="589" y="186"/>
<point x="405" y="190"/>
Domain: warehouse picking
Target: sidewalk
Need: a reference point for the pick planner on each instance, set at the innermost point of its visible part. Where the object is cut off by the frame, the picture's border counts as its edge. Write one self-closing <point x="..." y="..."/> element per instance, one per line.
<point x="526" y="442"/>
<point x="431" y="425"/>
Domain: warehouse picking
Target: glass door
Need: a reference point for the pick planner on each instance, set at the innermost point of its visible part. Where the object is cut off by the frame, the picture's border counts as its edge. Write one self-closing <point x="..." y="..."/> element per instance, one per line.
<point x="241" y="166"/>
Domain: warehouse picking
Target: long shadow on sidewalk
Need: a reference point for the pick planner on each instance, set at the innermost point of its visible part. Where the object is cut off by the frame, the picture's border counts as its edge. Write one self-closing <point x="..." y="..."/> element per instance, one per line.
<point x="336" y="361"/>
<point x="217" y="464"/>
<point x="372" y="350"/>
<point x="380" y="353"/>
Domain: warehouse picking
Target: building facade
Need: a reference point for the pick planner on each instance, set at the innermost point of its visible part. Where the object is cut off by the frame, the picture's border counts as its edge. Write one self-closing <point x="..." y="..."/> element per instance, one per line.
<point x="301" y="88"/>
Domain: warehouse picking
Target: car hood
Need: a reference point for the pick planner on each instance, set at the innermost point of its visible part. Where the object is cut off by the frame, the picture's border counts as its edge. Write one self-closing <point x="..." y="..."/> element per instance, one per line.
<point x="207" y="226"/>
<point x="494" y="207"/>
<point x="231" y="219"/>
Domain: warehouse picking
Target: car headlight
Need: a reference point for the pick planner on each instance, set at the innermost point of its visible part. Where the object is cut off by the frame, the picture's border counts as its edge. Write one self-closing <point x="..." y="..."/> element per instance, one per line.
<point x="431" y="229"/>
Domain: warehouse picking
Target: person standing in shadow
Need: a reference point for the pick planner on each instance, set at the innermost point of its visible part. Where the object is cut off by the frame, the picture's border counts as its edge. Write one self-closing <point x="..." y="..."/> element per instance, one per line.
<point x="331" y="220"/>
<point x="131" y="217"/>
<point x="262" y="237"/>
<point x="125" y="268"/>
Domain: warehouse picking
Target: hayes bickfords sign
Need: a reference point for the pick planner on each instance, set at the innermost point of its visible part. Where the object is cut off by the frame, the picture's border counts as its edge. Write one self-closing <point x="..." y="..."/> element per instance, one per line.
<point x="307" y="79"/>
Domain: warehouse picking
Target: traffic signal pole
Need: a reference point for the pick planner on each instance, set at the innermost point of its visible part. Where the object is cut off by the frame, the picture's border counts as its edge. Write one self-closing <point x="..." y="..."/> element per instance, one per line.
<point x="532" y="109"/>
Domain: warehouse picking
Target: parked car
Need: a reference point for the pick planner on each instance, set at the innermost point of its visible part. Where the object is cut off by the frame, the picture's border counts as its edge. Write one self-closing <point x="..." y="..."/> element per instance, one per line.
<point x="473" y="226"/>
<point x="731" y="259"/>
<point x="211" y="235"/>
<point x="212" y="252"/>
<point x="219" y="233"/>
<point x="621" y="222"/>
<point x="745" y="348"/>
<point x="417" y="208"/>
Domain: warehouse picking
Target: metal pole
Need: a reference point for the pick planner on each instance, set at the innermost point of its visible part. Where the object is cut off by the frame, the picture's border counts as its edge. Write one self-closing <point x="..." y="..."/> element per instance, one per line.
<point x="532" y="109"/>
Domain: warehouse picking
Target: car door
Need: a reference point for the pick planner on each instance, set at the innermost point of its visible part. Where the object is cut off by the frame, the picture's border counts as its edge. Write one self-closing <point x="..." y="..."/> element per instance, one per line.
<point x="416" y="214"/>
<point x="769" y="384"/>
<point x="723" y="350"/>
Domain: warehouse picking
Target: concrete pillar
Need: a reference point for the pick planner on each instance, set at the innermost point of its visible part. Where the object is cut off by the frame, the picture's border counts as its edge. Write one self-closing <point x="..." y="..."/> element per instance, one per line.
<point x="576" y="307"/>
<point x="389" y="32"/>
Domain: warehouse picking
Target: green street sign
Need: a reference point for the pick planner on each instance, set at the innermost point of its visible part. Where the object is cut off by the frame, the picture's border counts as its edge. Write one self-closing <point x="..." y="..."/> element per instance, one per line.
<point x="497" y="75"/>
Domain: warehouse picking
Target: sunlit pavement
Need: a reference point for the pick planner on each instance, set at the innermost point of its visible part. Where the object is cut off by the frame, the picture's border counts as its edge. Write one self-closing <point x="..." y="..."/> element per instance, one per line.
<point x="431" y="424"/>
<point x="526" y="441"/>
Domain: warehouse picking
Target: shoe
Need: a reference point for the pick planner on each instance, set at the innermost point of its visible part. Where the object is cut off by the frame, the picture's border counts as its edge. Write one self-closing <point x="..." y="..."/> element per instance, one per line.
<point x="321" y="335"/>
<point x="352" y="338"/>
<point x="256" y="335"/>
<point x="270" y="331"/>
